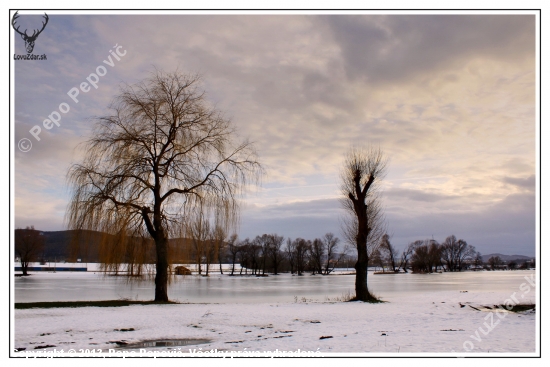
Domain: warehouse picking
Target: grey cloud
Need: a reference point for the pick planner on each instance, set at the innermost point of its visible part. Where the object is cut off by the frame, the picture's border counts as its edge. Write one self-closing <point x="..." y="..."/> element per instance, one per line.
<point x="518" y="165"/>
<point x="508" y="224"/>
<point x="309" y="219"/>
<point x="391" y="48"/>
<point x="527" y="183"/>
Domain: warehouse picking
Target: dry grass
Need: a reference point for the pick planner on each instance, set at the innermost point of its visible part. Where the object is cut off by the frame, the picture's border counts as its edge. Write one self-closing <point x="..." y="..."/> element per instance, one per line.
<point x="345" y="297"/>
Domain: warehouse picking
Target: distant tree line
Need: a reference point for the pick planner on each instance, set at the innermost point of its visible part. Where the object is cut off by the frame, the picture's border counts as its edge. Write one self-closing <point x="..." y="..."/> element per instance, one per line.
<point x="207" y="246"/>
<point x="428" y="256"/>
<point x="425" y="256"/>
<point x="496" y="263"/>
<point x="268" y="253"/>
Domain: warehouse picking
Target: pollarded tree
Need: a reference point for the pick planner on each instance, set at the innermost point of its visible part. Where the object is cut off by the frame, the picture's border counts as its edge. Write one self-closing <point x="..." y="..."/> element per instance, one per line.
<point x="364" y="225"/>
<point x="162" y="152"/>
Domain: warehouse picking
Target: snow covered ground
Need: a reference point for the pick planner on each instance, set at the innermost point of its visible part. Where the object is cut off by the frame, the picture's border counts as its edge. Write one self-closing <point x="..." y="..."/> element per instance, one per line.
<point x="441" y="323"/>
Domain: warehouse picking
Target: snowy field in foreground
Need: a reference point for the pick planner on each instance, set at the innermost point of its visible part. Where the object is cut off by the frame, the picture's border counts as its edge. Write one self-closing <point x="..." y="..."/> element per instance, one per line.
<point x="433" y="323"/>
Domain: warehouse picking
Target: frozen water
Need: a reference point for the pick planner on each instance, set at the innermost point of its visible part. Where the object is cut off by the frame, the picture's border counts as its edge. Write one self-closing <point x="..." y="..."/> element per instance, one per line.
<point x="63" y="286"/>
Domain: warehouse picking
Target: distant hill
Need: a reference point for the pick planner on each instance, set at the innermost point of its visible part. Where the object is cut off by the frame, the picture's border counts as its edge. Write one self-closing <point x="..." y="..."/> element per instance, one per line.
<point x="57" y="246"/>
<point x="506" y="258"/>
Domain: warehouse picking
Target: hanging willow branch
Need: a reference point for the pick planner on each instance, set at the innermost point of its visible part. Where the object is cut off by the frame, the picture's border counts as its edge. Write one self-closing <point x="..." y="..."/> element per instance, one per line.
<point x="162" y="153"/>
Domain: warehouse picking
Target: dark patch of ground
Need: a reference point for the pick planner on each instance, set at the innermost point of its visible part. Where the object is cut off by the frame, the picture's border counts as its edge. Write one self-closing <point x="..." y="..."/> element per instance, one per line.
<point x="112" y="303"/>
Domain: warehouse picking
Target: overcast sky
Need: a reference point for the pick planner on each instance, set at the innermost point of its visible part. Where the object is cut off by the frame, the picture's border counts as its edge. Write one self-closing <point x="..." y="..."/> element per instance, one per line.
<point x="450" y="99"/>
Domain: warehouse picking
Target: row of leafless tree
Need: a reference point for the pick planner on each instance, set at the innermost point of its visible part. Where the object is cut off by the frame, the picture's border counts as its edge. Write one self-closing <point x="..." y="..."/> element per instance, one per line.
<point x="270" y="253"/>
<point x="260" y="255"/>
<point x="426" y="256"/>
<point x="496" y="263"/>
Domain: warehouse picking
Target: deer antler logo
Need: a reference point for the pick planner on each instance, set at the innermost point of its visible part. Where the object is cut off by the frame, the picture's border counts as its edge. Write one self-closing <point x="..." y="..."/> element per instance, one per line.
<point x="29" y="40"/>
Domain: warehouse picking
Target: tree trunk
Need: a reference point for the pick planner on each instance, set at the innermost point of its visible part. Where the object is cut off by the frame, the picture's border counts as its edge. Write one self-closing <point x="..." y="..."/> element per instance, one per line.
<point x="24" y="267"/>
<point x="161" y="278"/>
<point x="361" y="270"/>
<point x="362" y="264"/>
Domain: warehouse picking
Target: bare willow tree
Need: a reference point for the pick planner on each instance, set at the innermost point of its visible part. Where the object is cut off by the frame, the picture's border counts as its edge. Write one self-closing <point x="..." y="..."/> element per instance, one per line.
<point x="162" y="152"/>
<point x="363" y="226"/>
